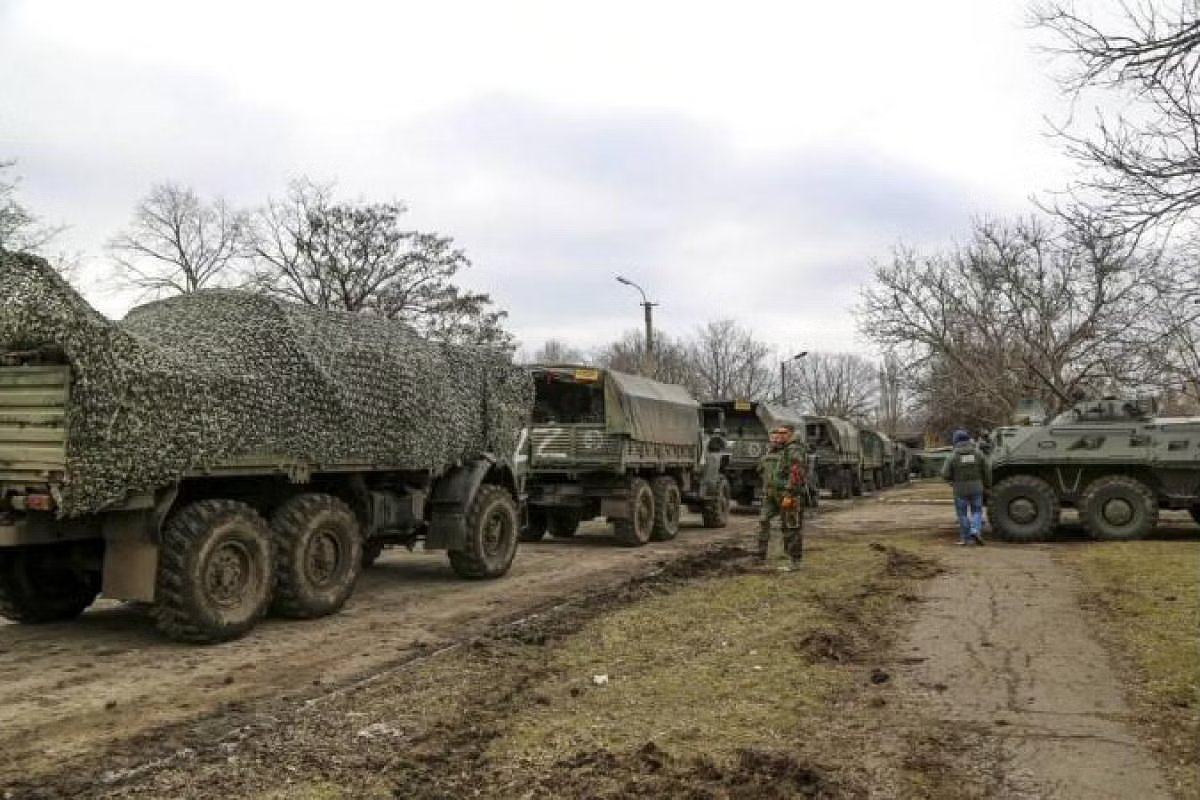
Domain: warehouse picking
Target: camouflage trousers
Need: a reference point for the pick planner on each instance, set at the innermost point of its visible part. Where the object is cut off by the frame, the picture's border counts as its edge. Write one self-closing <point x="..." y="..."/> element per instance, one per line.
<point x="790" y="522"/>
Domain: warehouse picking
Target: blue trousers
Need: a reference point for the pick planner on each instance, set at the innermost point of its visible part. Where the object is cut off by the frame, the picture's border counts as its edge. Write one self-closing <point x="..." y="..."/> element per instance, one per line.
<point x="970" y="516"/>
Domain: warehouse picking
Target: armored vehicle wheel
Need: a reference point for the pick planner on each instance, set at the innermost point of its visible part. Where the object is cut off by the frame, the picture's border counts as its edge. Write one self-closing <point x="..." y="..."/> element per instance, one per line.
<point x="535" y="528"/>
<point x="1023" y="508"/>
<point x="371" y="551"/>
<point x="492" y="532"/>
<point x="634" y="530"/>
<point x="214" y="572"/>
<point x="1118" y="507"/>
<point x="563" y="523"/>
<point x="668" y="506"/>
<point x="715" y="513"/>
<point x="318" y="555"/>
<point x="38" y="584"/>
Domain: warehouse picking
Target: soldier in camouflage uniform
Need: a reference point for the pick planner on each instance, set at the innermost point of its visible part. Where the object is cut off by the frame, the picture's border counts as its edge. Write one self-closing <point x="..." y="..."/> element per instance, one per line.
<point x="782" y="470"/>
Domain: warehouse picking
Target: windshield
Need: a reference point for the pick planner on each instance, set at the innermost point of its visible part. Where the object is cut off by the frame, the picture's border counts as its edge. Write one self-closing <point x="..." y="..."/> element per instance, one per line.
<point x="744" y="425"/>
<point x="563" y="401"/>
<point x="818" y="434"/>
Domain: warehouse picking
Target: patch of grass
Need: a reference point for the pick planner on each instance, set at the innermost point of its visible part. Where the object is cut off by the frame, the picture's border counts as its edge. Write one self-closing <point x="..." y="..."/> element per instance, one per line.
<point x="716" y="668"/>
<point x="1147" y="597"/>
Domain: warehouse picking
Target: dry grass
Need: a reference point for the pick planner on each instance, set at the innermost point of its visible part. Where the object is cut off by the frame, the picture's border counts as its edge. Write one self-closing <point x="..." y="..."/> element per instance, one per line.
<point x="719" y="666"/>
<point x="1147" y="598"/>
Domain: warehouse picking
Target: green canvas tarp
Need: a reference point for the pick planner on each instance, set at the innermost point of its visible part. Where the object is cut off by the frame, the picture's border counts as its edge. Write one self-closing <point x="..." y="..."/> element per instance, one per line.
<point x="649" y="411"/>
<point x="184" y="383"/>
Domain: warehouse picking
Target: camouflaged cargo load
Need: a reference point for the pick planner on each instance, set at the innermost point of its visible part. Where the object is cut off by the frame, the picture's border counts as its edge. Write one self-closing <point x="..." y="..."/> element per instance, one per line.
<point x="186" y="383"/>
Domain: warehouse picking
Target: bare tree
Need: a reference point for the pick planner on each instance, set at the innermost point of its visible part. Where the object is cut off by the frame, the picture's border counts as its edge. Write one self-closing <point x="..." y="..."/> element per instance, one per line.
<point x="556" y="351"/>
<point x="727" y="361"/>
<point x="178" y="243"/>
<point x="21" y="230"/>
<point x="672" y="363"/>
<point x="1145" y="161"/>
<point x="836" y="385"/>
<point x="356" y="256"/>
<point x="1025" y="309"/>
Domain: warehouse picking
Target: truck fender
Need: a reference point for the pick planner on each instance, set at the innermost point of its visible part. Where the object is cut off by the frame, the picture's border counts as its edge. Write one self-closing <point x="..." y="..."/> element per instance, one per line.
<point x="452" y="496"/>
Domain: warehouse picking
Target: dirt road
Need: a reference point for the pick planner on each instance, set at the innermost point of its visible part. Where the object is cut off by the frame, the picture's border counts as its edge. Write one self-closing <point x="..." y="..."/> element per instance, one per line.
<point x="67" y="689"/>
<point x="999" y="669"/>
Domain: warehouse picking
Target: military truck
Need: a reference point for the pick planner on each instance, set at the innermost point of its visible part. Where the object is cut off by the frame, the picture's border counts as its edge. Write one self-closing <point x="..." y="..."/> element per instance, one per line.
<point x="1106" y="458"/>
<point x="836" y="445"/>
<point x="608" y="444"/>
<point x="877" y="459"/>
<point x="220" y="454"/>
<point x="747" y="424"/>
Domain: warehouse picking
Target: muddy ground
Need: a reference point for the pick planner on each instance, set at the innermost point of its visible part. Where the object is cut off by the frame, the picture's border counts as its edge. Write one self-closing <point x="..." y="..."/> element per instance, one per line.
<point x="982" y="679"/>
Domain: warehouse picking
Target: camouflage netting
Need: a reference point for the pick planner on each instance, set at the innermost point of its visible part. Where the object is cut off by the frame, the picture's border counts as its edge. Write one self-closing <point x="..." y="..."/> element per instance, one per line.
<point x="184" y="383"/>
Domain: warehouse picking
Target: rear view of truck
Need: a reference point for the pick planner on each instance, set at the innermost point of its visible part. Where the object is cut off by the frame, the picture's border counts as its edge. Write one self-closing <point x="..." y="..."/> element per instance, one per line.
<point x="220" y="455"/>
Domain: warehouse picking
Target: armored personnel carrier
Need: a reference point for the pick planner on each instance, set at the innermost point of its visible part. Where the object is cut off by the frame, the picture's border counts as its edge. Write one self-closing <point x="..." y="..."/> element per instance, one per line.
<point x="1107" y="458"/>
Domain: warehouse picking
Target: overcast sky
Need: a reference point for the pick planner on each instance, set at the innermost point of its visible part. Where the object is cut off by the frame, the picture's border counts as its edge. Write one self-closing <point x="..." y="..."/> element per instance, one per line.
<point x="742" y="160"/>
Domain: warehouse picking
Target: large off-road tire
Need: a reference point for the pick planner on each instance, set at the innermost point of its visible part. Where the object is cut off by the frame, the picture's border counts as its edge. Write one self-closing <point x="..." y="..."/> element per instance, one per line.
<point x="371" y="551"/>
<point x="1195" y="512"/>
<point x="715" y="512"/>
<point x="856" y="483"/>
<point x="215" y="572"/>
<point x="318" y="555"/>
<point x="1118" y="507"/>
<point x="635" y="529"/>
<point x="535" y="527"/>
<point x="38" y="584"/>
<point x="668" y="508"/>
<point x="493" y="528"/>
<point x="1023" y="508"/>
<point x="563" y="523"/>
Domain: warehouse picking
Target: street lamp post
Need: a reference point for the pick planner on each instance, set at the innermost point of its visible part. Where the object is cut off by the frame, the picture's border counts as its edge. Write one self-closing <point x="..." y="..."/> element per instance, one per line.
<point x="783" y="375"/>
<point x="647" y="306"/>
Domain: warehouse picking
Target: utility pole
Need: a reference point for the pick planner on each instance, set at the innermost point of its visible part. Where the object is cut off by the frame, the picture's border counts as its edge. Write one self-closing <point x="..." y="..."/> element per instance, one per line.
<point x="783" y="375"/>
<point x="648" y="307"/>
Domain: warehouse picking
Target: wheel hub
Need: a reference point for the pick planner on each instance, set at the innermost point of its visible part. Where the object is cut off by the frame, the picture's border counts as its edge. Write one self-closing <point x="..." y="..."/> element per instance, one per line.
<point x="1118" y="511"/>
<point x="324" y="557"/>
<point x="493" y="533"/>
<point x="1022" y="510"/>
<point x="228" y="574"/>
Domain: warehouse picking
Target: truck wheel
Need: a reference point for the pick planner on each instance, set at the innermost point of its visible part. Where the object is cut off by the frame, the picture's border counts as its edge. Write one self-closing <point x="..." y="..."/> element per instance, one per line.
<point x="535" y="528"/>
<point x="214" y="572"/>
<point x="371" y="551"/>
<point x="492" y="530"/>
<point x="37" y="585"/>
<point x="1195" y="512"/>
<point x="1023" y="508"/>
<point x="563" y="524"/>
<point x="668" y="506"/>
<point x="318" y="555"/>
<point x="634" y="530"/>
<point x="715" y="513"/>
<point x="1118" y="507"/>
<point x="856" y="484"/>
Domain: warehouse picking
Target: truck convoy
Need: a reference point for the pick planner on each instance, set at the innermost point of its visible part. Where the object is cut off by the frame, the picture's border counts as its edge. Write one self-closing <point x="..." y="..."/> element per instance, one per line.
<point x="1106" y="458"/>
<point x="839" y="463"/>
<point x="220" y="454"/>
<point x="608" y="444"/>
<point x="746" y="425"/>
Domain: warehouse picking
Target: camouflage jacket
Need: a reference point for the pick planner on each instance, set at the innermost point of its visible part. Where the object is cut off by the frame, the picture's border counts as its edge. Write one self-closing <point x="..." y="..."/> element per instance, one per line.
<point x="782" y="469"/>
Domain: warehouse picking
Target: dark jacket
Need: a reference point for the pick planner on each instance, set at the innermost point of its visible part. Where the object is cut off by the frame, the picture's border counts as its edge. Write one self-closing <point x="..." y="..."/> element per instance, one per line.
<point x="968" y="469"/>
